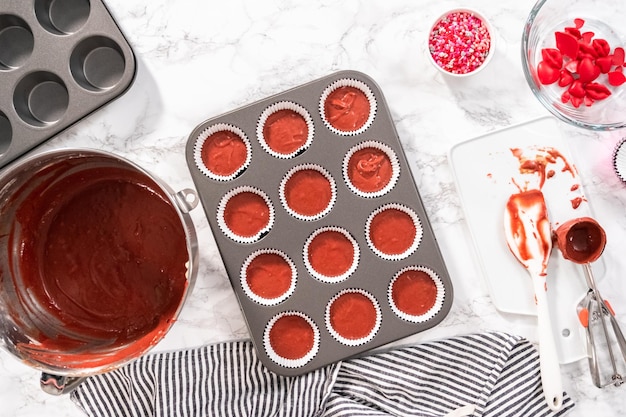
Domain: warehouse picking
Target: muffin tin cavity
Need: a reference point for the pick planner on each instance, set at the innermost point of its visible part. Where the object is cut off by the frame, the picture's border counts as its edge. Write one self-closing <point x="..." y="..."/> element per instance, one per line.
<point x="341" y="219"/>
<point x="60" y="60"/>
<point x="16" y="42"/>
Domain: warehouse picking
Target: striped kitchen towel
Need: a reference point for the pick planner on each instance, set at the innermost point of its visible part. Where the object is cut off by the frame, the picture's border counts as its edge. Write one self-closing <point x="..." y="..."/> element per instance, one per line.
<point x="485" y="374"/>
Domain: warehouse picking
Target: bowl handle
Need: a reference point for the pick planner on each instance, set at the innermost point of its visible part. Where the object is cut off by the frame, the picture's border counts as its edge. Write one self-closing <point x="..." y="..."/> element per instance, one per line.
<point x="186" y="199"/>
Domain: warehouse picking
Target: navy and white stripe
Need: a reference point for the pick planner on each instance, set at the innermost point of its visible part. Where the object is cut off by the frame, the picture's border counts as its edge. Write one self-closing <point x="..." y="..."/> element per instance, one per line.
<point x="495" y="373"/>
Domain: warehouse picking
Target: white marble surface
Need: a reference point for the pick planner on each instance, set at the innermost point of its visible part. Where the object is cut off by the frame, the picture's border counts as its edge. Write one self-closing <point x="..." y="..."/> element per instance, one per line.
<point x="198" y="59"/>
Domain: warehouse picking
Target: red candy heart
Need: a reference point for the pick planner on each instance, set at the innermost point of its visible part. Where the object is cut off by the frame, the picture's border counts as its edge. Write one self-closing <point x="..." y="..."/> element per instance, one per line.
<point x="605" y="63"/>
<point x="578" y="22"/>
<point x="587" y="70"/>
<point x="577" y="89"/>
<point x="616" y="78"/>
<point x="567" y="44"/>
<point x="618" y="56"/>
<point x="566" y="78"/>
<point x="547" y="74"/>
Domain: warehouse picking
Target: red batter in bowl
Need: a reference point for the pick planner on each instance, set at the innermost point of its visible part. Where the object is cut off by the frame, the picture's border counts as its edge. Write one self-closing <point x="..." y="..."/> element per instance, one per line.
<point x="99" y="261"/>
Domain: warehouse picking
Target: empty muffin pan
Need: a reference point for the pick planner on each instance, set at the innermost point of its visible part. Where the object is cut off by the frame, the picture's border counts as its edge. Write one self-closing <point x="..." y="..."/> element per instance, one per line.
<point x="319" y="223"/>
<point x="60" y="60"/>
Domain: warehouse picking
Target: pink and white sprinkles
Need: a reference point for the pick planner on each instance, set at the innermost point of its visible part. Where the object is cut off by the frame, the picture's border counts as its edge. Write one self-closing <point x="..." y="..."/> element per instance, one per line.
<point x="459" y="42"/>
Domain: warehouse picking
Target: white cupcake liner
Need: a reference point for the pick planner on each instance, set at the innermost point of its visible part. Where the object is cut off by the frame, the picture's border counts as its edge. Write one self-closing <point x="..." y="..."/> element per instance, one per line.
<point x="349" y="82"/>
<point x="222" y="223"/>
<point x="285" y="362"/>
<point x="326" y="278"/>
<point x="395" y="168"/>
<point x="619" y="159"/>
<point x="419" y="232"/>
<point x="362" y="340"/>
<point x="432" y="312"/>
<point x="257" y="298"/>
<point x="204" y="135"/>
<point x="333" y="189"/>
<point x="285" y="105"/>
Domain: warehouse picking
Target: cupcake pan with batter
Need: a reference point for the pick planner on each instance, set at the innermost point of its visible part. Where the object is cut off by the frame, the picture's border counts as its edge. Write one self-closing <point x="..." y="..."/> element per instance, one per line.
<point x="370" y="273"/>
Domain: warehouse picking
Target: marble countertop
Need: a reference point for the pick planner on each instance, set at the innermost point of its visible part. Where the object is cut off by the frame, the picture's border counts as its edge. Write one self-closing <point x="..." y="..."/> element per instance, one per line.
<point x="197" y="59"/>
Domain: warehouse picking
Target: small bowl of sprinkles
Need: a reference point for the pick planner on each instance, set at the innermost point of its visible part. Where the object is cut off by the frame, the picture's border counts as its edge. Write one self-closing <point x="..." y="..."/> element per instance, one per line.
<point x="461" y="42"/>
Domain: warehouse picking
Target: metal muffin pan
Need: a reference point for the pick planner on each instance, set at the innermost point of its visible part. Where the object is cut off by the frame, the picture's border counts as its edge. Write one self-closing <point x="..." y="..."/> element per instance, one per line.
<point x="60" y="60"/>
<point x="288" y="234"/>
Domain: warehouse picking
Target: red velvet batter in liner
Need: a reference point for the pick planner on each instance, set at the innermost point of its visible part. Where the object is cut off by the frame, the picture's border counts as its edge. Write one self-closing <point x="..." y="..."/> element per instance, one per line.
<point x="246" y="214"/>
<point x="353" y="315"/>
<point x="370" y="169"/>
<point x="414" y="292"/>
<point x="347" y="108"/>
<point x="392" y="231"/>
<point x="331" y="254"/>
<point x="223" y="153"/>
<point x="285" y="131"/>
<point x="308" y="192"/>
<point x="269" y="275"/>
<point x="292" y="337"/>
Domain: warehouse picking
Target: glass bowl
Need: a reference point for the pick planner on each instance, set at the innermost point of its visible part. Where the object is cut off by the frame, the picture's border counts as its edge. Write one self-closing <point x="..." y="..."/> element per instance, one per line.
<point x="581" y="100"/>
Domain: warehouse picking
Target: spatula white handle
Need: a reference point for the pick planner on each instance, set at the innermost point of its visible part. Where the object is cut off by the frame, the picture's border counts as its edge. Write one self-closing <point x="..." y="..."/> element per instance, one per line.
<point x="548" y="357"/>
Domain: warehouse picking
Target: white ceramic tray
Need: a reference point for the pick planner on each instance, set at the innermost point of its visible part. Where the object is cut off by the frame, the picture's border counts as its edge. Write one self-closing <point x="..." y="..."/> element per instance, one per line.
<point x="486" y="173"/>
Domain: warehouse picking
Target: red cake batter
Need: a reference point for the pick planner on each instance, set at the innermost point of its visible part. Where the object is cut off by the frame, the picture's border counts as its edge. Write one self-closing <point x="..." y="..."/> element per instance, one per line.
<point x="292" y="337"/>
<point x="369" y="170"/>
<point x="269" y="275"/>
<point x="308" y="192"/>
<point x="104" y="252"/>
<point x="414" y="292"/>
<point x="246" y="214"/>
<point x="392" y="231"/>
<point x="331" y="253"/>
<point x="353" y="315"/>
<point x="285" y="131"/>
<point x="224" y="152"/>
<point x="347" y="109"/>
